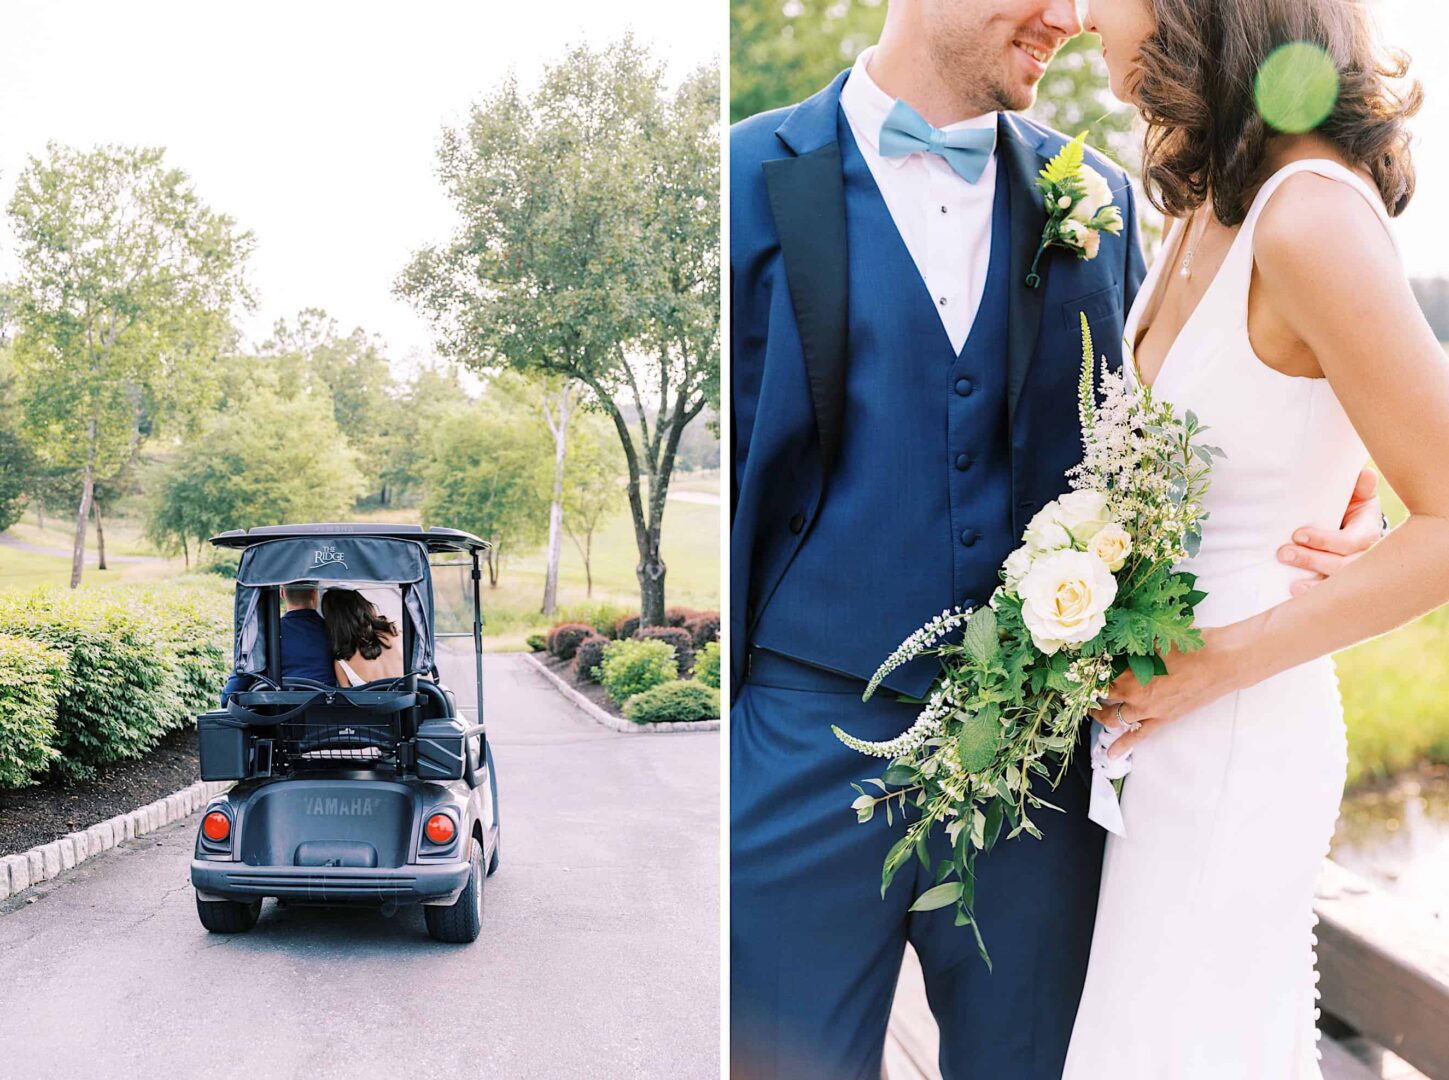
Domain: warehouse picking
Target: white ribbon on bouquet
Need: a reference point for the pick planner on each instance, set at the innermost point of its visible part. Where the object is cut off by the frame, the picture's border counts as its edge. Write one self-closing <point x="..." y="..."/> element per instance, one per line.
<point x="1104" y="809"/>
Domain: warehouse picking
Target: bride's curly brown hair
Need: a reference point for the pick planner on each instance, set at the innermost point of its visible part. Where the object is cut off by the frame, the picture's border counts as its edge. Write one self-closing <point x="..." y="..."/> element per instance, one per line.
<point x="1205" y="138"/>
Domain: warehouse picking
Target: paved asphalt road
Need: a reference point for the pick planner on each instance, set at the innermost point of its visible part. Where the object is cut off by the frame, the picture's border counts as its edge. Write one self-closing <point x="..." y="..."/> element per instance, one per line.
<point x="599" y="956"/>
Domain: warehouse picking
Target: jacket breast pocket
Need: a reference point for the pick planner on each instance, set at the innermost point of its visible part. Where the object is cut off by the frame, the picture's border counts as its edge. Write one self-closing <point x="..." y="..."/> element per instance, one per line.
<point x="1101" y="307"/>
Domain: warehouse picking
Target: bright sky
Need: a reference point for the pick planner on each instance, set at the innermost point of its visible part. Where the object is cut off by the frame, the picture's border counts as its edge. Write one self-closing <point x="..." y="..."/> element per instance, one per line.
<point x="312" y="124"/>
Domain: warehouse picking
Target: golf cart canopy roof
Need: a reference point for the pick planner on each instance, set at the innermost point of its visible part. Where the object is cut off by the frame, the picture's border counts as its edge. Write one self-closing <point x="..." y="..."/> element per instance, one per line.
<point x="434" y="540"/>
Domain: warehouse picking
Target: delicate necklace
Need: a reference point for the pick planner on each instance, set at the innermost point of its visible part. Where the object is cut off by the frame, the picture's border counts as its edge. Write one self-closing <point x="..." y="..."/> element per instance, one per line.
<point x="1185" y="272"/>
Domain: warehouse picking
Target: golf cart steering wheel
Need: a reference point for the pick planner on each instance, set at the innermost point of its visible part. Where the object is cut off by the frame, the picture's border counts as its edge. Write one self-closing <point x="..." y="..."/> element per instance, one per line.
<point x="297" y="683"/>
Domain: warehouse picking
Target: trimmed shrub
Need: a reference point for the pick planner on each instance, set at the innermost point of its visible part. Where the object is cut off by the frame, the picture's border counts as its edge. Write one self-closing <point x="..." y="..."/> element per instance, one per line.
<point x="625" y="627"/>
<point x="589" y="656"/>
<point x="630" y="667"/>
<point x="677" y="636"/>
<point x="564" y="639"/>
<point x="703" y="627"/>
<point x="537" y="642"/>
<point x="196" y="625"/>
<point x="32" y="677"/>
<point x="706" y="664"/>
<point x="124" y="690"/>
<point x="678" y="616"/>
<point x="603" y="617"/>
<point x="681" y="701"/>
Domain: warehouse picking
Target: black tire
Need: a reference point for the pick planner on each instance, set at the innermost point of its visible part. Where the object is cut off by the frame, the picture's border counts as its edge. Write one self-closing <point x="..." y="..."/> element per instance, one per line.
<point x="228" y="916"/>
<point x="493" y="859"/>
<point x="461" y="921"/>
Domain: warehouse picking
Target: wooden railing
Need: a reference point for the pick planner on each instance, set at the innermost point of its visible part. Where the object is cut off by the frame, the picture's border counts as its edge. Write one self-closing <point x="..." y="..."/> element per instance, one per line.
<point x="1384" y="972"/>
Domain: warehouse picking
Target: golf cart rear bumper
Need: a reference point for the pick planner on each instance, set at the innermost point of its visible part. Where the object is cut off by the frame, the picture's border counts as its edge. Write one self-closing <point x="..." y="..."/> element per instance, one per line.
<point x="438" y="884"/>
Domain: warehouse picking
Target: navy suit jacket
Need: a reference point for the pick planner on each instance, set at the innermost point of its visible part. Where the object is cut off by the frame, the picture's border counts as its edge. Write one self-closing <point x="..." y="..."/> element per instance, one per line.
<point x="788" y="297"/>
<point x="306" y="652"/>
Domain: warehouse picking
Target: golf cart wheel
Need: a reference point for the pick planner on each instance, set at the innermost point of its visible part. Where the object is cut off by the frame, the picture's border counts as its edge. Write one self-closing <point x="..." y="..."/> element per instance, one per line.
<point x="493" y="859"/>
<point x="228" y="916"/>
<point x="460" y="922"/>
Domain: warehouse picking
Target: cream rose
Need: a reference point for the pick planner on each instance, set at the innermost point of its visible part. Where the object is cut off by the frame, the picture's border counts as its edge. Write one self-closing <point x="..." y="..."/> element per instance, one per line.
<point x="1081" y="237"/>
<point x="1083" y="514"/>
<point x="1017" y="564"/>
<point x="1065" y="597"/>
<point x="1099" y="195"/>
<point x="1112" y="545"/>
<point x="1044" y="532"/>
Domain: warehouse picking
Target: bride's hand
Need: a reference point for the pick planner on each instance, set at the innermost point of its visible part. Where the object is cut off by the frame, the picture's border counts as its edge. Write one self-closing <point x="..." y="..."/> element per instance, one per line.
<point x="1326" y="552"/>
<point x="1193" y="680"/>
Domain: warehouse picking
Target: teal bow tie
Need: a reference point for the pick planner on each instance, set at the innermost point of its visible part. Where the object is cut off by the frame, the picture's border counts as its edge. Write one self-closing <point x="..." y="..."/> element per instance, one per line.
<point x="967" y="150"/>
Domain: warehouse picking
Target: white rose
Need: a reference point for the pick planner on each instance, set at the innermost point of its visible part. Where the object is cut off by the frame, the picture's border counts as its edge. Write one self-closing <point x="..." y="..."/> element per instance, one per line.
<point x="1044" y="532"/>
<point x="1099" y="194"/>
<point x="1112" y="545"/>
<point x="1083" y="514"/>
<point x="1110" y="220"/>
<point x="1074" y="233"/>
<point x="1017" y="564"/>
<point x="1065" y="597"/>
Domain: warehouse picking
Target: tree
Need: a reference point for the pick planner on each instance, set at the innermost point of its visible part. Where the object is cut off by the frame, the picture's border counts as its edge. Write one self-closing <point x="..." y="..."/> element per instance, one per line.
<point x="592" y="491"/>
<point x="269" y="461"/>
<point x="126" y="286"/>
<point x="489" y="477"/>
<point x="18" y="468"/>
<point x="414" y="417"/>
<point x="589" y="248"/>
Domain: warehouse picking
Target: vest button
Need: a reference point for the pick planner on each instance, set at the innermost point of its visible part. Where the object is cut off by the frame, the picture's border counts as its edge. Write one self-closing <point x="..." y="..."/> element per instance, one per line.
<point x="963" y="462"/>
<point x="964" y="387"/>
<point x="968" y="536"/>
<point x="797" y="523"/>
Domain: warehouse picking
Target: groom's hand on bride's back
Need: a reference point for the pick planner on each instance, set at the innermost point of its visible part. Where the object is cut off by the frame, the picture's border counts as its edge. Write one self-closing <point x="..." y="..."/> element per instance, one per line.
<point x="1325" y="551"/>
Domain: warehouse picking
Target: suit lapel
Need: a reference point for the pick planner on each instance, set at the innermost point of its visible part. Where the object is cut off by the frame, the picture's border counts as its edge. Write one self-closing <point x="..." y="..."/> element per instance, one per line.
<point x="807" y="200"/>
<point x="1020" y="164"/>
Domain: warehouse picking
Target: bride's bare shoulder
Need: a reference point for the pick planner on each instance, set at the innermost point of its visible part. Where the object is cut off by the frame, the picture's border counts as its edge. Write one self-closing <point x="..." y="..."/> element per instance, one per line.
<point x="1315" y="227"/>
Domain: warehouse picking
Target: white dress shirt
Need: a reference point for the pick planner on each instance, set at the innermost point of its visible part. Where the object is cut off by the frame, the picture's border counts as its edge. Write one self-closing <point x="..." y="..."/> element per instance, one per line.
<point x="944" y="220"/>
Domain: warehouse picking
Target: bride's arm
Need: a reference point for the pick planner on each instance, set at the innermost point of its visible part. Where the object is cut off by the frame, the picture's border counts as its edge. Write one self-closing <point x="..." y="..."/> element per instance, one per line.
<point x="1330" y="272"/>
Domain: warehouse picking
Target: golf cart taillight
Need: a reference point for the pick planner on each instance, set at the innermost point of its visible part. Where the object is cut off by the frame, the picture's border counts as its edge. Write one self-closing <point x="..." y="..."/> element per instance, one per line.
<point x="216" y="826"/>
<point x="440" y="828"/>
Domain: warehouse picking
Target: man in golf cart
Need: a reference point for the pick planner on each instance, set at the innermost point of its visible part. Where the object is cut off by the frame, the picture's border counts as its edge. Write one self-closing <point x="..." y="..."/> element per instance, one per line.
<point x="306" y="650"/>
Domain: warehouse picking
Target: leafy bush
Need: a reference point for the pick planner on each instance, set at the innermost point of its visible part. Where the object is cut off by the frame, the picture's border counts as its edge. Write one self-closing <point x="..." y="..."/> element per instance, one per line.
<point x="625" y="627"/>
<point x="196" y="625"/>
<point x="603" y="617"/>
<point x="589" y="656"/>
<point x="537" y="642"/>
<point x="703" y="627"/>
<point x="564" y="639"/>
<point x="676" y="636"/>
<point x="706" y="664"/>
<point x="630" y="667"/>
<point x="32" y="677"/>
<point x="681" y="701"/>
<point x="678" y="616"/>
<point x="124" y="690"/>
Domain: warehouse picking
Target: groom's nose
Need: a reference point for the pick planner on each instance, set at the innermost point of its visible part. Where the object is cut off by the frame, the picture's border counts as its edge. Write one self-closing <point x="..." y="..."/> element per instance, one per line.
<point x="1063" y="17"/>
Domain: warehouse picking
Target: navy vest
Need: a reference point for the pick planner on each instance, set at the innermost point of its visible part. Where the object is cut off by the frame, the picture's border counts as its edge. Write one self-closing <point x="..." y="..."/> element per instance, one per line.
<point x="917" y="516"/>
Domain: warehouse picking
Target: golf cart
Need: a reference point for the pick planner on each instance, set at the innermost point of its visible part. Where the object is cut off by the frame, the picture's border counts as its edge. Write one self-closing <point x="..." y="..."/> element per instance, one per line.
<point x="381" y="794"/>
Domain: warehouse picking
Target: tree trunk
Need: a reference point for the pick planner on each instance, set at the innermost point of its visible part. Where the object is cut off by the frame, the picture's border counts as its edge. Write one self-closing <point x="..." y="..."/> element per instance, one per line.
<point x="651" y="591"/>
<point x="100" y="535"/>
<point x="82" y="517"/>
<point x="555" y="510"/>
<point x="185" y="553"/>
<point x="588" y="562"/>
<point x="39" y="515"/>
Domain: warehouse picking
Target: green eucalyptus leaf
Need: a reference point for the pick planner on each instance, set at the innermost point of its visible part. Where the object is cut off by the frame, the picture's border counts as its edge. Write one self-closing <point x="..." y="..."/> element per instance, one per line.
<point x="938" y="896"/>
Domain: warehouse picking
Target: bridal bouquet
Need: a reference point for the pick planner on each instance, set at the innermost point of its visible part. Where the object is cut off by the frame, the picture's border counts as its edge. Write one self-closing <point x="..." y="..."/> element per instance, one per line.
<point x="1089" y="594"/>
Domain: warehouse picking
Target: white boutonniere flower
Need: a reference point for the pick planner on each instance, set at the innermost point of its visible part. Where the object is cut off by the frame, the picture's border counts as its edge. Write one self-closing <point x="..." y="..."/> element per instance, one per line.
<point x="1078" y="204"/>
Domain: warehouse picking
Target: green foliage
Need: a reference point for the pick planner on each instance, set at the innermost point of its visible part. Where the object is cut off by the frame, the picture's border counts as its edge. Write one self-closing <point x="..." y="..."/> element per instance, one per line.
<point x="676" y="637"/>
<point x="630" y="667"/>
<point x="266" y="461"/>
<point x="140" y="663"/>
<point x="537" y="642"/>
<point x="563" y="640"/>
<point x="706" y="664"/>
<point x="589" y="656"/>
<point x="18" y="465"/>
<point x="681" y="701"/>
<point x="32" y="677"/>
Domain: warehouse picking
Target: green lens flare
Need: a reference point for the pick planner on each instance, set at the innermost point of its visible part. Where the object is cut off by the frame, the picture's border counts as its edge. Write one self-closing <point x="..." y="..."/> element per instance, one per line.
<point x="1297" y="87"/>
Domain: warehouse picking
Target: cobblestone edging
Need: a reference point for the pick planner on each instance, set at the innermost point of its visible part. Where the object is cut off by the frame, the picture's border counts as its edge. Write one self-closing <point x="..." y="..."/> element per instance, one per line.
<point x="608" y="719"/>
<point x="46" y="861"/>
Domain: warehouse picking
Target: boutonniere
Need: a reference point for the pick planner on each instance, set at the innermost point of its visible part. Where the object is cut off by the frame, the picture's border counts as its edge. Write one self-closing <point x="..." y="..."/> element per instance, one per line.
<point x="1078" y="204"/>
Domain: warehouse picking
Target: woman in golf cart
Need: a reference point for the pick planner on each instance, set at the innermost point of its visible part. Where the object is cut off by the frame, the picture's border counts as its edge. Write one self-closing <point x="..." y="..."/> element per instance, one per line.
<point x="364" y="644"/>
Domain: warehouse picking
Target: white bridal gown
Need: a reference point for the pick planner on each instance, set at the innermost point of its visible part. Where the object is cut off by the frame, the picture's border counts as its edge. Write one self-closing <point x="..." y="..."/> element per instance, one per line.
<point x="1202" y="958"/>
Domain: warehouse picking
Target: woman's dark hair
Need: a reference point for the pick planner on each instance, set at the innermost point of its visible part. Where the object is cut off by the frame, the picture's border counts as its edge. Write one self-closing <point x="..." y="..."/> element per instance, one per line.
<point x="1194" y="85"/>
<point x="353" y="624"/>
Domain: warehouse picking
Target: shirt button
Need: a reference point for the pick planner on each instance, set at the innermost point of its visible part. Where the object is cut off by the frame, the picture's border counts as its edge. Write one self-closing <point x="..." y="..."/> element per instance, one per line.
<point x="943" y="209"/>
<point x="963" y="462"/>
<point x="943" y="301"/>
<point x="797" y="523"/>
<point x="968" y="536"/>
<point x="964" y="387"/>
